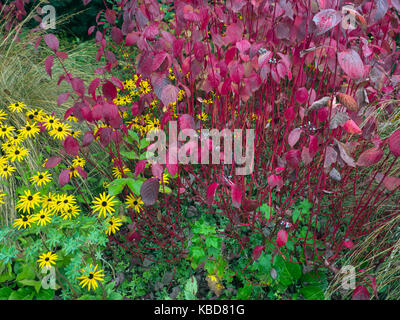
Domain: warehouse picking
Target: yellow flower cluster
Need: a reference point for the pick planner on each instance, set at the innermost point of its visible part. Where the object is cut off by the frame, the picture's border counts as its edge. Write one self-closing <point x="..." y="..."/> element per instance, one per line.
<point x="12" y="139"/>
<point x="45" y="206"/>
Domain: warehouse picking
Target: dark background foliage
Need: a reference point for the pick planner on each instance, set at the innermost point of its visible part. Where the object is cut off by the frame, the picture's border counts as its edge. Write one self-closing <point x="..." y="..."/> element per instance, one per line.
<point x="82" y="17"/>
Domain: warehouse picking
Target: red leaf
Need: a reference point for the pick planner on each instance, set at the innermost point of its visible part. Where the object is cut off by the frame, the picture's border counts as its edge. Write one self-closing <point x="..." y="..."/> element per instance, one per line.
<point x="391" y="183"/>
<point x="348" y="244"/>
<point x="78" y="86"/>
<point x="172" y="162"/>
<point x="48" y="64"/>
<point x="140" y="167"/>
<point x="157" y="170"/>
<point x="109" y="91"/>
<point x="327" y="19"/>
<point x="169" y="94"/>
<point x="257" y="252"/>
<point x="243" y="46"/>
<point x="62" y="98"/>
<point x="64" y="177"/>
<point x="301" y="95"/>
<point x="236" y="195"/>
<point x="275" y="181"/>
<point x="81" y="172"/>
<point x="294" y="136"/>
<point x="52" y="162"/>
<point x="394" y="143"/>
<point x="149" y="191"/>
<point x="360" y="293"/>
<point x="351" y="127"/>
<point x="186" y="122"/>
<point x="71" y="146"/>
<point x="131" y="38"/>
<point x="211" y="192"/>
<point x="281" y="238"/>
<point x="93" y="86"/>
<point x="293" y="158"/>
<point x="351" y="64"/>
<point x="370" y="157"/>
<point x="51" y="41"/>
<point x="87" y="139"/>
<point x="116" y="35"/>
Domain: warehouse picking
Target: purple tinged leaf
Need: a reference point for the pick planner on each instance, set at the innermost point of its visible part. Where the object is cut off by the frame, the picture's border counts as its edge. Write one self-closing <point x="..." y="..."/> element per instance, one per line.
<point x="149" y="191"/>
<point x="48" y="64"/>
<point x="140" y="167"/>
<point x="370" y="157"/>
<point x="236" y="195"/>
<point x="64" y="177"/>
<point x="211" y="192"/>
<point x="169" y="94"/>
<point x="71" y="146"/>
<point x="52" y="162"/>
<point x="294" y="136"/>
<point x="326" y="19"/>
<point x="87" y="139"/>
<point x="62" y="98"/>
<point x="351" y="64"/>
<point x="51" y="41"/>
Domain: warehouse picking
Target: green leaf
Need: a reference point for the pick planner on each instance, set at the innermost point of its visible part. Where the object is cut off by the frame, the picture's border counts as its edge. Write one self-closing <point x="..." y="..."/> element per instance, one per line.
<point x="116" y="186"/>
<point x="133" y="135"/>
<point x="27" y="272"/>
<point x="266" y="210"/>
<point x="244" y="293"/>
<point x="26" y="293"/>
<point x="288" y="272"/>
<point x="129" y="154"/>
<point x="134" y="185"/>
<point x="31" y="283"/>
<point x="5" y="293"/>
<point x="312" y="293"/>
<point x="191" y="289"/>
<point x="45" y="294"/>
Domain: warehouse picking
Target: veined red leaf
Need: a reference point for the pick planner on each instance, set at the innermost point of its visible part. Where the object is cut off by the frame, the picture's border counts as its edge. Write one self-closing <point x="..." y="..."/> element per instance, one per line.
<point x="52" y="162"/>
<point x="149" y="191"/>
<point x="326" y="19"/>
<point x="211" y="192"/>
<point x="51" y="41"/>
<point x="87" y="139"/>
<point x="71" y="146"/>
<point x="351" y="127"/>
<point x="281" y="238"/>
<point x="140" y="167"/>
<point x="236" y="195"/>
<point x="360" y="293"/>
<point x="391" y="183"/>
<point x="257" y="252"/>
<point x="186" y="122"/>
<point x="48" y="64"/>
<point x="62" y="98"/>
<point x="394" y="143"/>
<point x="64" y="177"/>
<point x="294" y="136"/>
<point x="370" y="157"/>
<point x="275" y="181"/>
<point x="351" y="64"/>
<point x="169" y="94"/>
